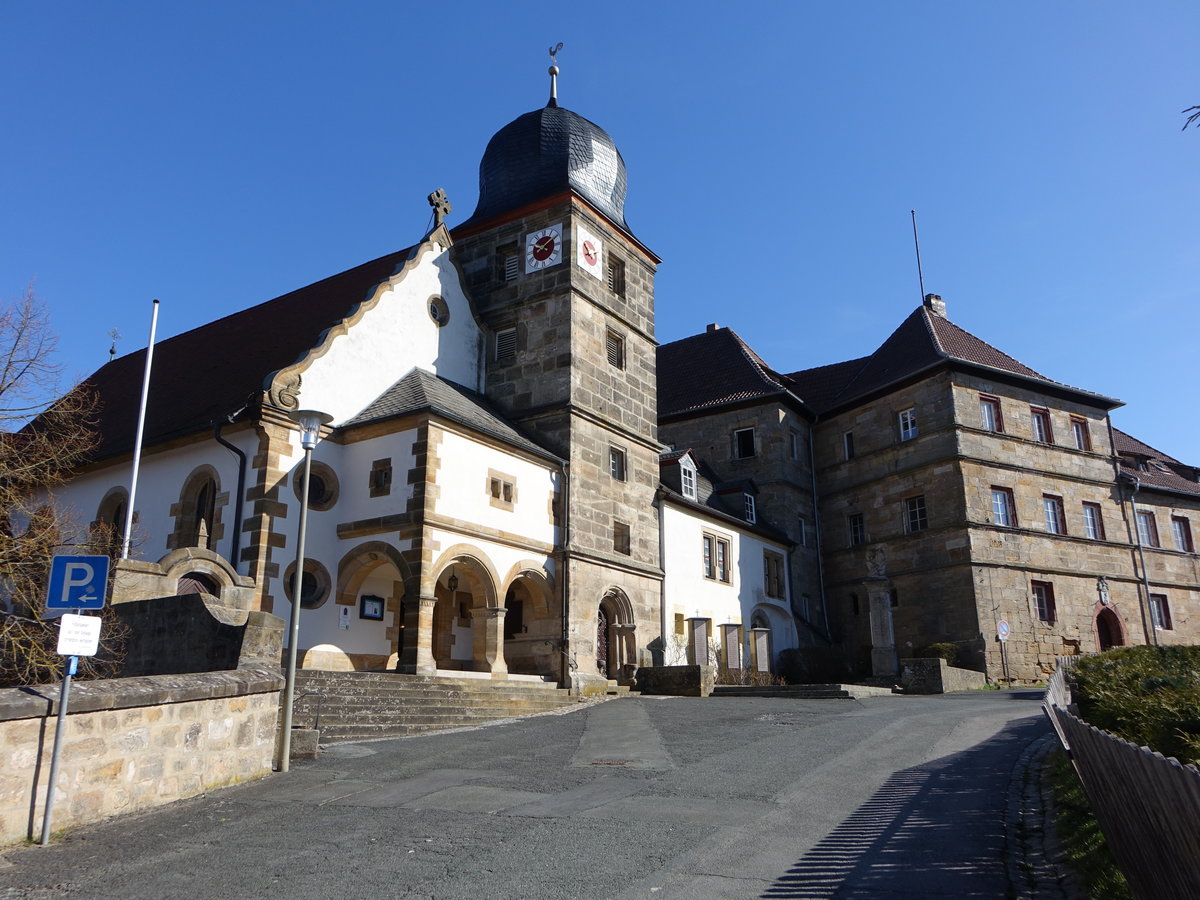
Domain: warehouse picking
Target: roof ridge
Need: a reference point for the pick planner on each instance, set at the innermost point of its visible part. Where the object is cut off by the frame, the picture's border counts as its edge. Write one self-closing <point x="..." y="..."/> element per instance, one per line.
<point x="764" y="371"/>
<point x="927" y="317"/>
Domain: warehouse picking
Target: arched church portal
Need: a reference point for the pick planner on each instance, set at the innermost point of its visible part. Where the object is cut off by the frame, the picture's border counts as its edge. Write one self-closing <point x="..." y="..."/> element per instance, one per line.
<point x="615" y="645"/>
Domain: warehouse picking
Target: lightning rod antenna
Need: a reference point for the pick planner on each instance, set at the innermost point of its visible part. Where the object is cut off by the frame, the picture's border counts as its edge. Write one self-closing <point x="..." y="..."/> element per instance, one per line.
<point x="917" y="245"/>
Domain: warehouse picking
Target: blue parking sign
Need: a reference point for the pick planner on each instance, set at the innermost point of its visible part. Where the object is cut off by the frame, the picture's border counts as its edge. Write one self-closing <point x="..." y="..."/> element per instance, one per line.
<point x="77" y="582"/>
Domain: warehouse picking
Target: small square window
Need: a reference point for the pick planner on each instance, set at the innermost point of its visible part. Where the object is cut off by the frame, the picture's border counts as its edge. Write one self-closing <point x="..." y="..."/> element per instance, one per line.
<point x="616" y="275"/>
<point x="616" y="463"/>
<point x="506" y="344"/>
<point x="615" y="346"/>
<point x="915" y="518"/>
<point x="989" y="411"/>
<point x="743" y="443"/>
<point x="1043" y="431"/>
<point x="1093" y="522"/>
<point x="858" y="529"/>
<point x="908" y="424"/>
<point x="750" y="510"/>
<point x="1181" y="528"/>
<point x="1043" y="601"/>
<point x="1081" y="433"/>
<point x="621" y="541"/>
<point x="502" y="490"/>
<point x="380" y="483"/>
<point x="773" y="574"/>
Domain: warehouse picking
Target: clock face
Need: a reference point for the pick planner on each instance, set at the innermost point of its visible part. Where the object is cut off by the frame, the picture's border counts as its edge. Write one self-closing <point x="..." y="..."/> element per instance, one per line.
<point x="590" y="252"/>
<point x="543" y="248"/>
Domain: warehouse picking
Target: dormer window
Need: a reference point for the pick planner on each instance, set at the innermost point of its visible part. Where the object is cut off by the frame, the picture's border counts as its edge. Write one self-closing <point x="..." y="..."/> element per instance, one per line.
<point x="687" y="478"/>
<point x="751" y="511"/>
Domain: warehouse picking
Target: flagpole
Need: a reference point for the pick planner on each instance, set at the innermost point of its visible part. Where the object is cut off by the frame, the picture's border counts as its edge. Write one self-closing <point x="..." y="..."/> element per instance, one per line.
<point x="137" y="443"/>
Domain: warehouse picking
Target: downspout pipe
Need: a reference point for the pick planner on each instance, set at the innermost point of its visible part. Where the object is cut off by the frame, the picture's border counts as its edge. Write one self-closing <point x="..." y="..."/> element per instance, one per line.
<point x="235" y="544"/>
<point x="662" y="564"/>
<point x="812" y="471"/>
<point x="565" y="580"/>
<point x="1134" y="484"/>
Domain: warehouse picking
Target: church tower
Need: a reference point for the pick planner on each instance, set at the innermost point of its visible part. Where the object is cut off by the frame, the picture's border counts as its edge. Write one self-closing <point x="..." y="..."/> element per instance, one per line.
<point x="566" y="293"/>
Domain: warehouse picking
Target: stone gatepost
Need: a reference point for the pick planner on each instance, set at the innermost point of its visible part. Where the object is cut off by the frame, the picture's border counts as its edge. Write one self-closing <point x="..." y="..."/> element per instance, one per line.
<point x="698" y="653"/>
<point x="760" y="649"/>
<point x="883" y="637"/>
<point x="487" y="639"/>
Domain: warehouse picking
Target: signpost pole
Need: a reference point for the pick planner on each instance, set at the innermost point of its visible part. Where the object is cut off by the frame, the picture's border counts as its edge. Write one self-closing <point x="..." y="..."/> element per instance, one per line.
<point x="1004" y="660"/>
<point x="72" y="664"/>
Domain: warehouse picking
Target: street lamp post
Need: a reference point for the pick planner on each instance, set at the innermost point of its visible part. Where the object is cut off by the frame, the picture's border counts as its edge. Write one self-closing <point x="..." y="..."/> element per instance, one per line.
<point x="310" y="422"/>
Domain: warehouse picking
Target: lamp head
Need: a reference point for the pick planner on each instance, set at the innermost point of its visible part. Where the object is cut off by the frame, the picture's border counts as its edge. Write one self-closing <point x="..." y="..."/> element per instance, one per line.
<point x="310" y="421"/>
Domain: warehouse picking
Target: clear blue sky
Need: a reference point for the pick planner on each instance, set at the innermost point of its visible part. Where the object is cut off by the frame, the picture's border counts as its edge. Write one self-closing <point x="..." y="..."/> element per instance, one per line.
<point x="215" y="155"/>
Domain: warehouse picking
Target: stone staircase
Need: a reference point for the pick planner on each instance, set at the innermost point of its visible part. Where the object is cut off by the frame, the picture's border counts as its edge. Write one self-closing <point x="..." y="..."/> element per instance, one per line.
<point x="802" y="691"/>
<point x="360" y="706"/>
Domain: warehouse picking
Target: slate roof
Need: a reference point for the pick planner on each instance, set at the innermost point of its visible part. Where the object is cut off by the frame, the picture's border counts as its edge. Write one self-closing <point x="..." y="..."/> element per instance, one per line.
<point x="421" y="391"/>
<point x="713" y="369"/>
<point x="203" y="375"/>
<point x="1161" y="471"/>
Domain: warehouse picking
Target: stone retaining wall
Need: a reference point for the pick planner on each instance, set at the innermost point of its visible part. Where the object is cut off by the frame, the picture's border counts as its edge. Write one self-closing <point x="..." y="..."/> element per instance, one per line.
<point x="934" y="676"/>
<point x="132" y="743"/>
<point x="678" y="681"/>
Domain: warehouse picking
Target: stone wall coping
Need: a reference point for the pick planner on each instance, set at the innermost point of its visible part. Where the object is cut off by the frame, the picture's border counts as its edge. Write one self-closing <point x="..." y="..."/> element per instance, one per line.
<point x="146" y="690"/>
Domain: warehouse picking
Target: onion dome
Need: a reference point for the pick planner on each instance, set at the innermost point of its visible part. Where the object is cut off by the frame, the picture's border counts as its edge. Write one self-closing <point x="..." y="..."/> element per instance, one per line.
<point x="546" y="152"/>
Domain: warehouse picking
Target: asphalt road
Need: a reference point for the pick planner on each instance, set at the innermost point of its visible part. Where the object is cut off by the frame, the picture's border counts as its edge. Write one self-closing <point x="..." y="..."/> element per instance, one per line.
<point x="638" y="797"/>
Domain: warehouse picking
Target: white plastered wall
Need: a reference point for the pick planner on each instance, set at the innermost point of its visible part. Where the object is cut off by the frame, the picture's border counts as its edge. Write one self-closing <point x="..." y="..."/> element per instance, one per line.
<point x="690" y="594"/>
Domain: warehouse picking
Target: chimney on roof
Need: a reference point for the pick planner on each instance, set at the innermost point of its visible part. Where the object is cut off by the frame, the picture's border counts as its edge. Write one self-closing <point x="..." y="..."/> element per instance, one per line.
<point x="712" y="326"/>
<point x="935" y="304"/>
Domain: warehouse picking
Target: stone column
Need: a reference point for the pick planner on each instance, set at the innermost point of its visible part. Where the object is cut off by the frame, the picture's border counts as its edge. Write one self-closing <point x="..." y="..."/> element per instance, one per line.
<point x="487" y="639"/>
<point x="425" y="663"/>
<point x="760" y="649"/>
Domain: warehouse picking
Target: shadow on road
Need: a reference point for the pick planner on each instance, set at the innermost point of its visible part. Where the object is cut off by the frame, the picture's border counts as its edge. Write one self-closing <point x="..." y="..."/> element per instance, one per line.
<point x="936" y="829"/>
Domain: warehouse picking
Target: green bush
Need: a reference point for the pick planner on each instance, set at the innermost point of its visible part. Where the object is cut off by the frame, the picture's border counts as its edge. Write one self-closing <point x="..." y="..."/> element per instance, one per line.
<point x="946" y="651"/>
<point x="1149" y="696"/>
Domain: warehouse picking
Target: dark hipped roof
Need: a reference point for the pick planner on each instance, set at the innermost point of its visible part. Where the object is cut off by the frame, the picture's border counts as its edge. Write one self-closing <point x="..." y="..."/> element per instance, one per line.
<point x="923" y="341"/>
<point x="421" y="391"/>
<point x="1160" y="470"/>
<point x="712" y="369"/>
<point x="203" y="375"/>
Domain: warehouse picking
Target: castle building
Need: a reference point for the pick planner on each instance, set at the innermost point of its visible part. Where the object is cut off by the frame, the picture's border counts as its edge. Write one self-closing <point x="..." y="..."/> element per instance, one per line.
<point x="519" y="482"/>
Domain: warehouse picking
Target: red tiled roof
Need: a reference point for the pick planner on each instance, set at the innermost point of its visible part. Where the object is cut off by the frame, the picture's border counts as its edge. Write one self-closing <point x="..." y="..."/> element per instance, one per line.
<point x="1161" y="470"/>
<point x="712" y="369"/>
<point x="203" y="375"/>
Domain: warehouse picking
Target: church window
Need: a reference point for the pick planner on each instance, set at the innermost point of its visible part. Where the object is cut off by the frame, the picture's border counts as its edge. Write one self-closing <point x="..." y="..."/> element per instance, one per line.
<point x="1147" y="529"/>
<point x="439" y="311"/>
<point x="322" y="486"/>
<point x="1093" y="521"/>
<point x="1083" y="436"/>
<point x="1160" y="612"/>
<point x="1043" y="432"/>
<point x="751" y="511"/>
<point x="743" y="443"/>
<point x="108" y="531"/>
<point x="621" y="538"/>
<point x="1043" y="600"/>
<point x="381" y="478"/>
<point x="1004" y="509"/>
<point x="616" y="275"/>
<point x="506" y="344"/>
<point x="1056" y="520"/>
<point x="848" y="445"/>
<point x="616" y="463"/>
<point x="615" y="345"/>
<point x="908" y="424"/>
<point x="1182" y="530"/>
<point x="857" y="528"/>
<point x="915" y="517"/>
<point x="502" y="490"/>
<point x="773" y="574"/>
<point x="989" y="411"/>
<point x="687" y="479"/>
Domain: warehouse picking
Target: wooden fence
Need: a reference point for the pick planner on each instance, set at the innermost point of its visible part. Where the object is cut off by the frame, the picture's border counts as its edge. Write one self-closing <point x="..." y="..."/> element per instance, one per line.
<point x="1147" y="805"/>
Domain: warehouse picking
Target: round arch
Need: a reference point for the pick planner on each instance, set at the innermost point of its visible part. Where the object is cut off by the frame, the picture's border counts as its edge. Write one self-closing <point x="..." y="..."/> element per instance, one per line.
<point x="200" y="502"/>
<point x="473" y="563"/>
<point x="357" y="564"/>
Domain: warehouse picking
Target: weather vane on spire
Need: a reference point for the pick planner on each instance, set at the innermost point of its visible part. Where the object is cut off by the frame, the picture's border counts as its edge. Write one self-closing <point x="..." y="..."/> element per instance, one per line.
<point x="112" y="351"/>
<point x="554" y="74"/>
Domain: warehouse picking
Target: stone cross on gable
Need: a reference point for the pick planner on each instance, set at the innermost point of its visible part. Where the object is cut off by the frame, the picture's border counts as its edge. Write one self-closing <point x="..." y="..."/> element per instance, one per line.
<point x="441" y="206"/>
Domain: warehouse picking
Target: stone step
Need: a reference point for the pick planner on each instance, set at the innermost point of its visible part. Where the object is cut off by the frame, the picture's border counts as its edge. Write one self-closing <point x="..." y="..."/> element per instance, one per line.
<point x="801" y="691"/>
